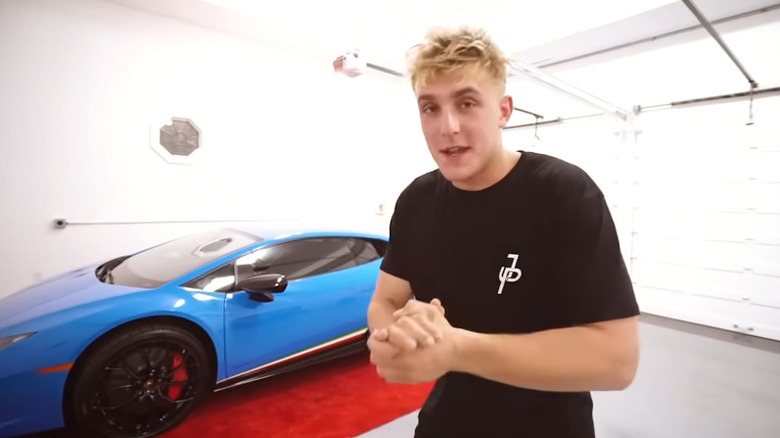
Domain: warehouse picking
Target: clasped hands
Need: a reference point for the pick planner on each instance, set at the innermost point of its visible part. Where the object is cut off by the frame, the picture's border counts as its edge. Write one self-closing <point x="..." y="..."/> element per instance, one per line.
<point x="418" y="346"/>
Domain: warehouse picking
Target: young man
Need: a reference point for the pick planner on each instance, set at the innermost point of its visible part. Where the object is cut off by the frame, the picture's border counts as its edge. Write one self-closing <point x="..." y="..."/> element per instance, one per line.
<point x="503" y="280"/>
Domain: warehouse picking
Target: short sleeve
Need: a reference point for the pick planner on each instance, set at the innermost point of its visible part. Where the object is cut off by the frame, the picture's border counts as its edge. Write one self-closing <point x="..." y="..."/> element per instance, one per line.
<point x="397" y="260"/>
<point x="590" y="272"/>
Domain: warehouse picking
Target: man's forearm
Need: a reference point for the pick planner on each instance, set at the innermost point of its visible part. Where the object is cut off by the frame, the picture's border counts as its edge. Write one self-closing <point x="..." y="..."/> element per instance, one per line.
<point x="585" y="358"/>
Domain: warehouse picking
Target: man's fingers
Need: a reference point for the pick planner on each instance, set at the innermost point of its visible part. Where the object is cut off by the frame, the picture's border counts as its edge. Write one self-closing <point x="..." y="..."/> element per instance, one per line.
<point x="381" y="351"/>
<point x="399" y="337"/>
<point x="430" y="329"/>
<point x="417" y="329"/>
<point x="437" y="303"/>
<point x="413" y="307"/>
<point x="380" y="334"/>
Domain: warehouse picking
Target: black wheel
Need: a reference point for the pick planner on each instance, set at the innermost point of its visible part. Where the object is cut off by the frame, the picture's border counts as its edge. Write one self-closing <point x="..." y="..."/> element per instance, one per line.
<point x="138" y="382"/>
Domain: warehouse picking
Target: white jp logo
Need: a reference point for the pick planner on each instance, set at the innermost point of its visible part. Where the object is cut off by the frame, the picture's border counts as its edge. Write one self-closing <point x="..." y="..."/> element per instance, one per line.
<point x="511" y="273"/>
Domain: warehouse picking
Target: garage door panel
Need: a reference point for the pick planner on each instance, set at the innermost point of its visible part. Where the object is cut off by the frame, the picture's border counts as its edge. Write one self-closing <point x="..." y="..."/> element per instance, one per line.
<point x="688" y="142"/>
<point x="706" y="169"/>
<point x="706" y="226"/>
<point x="706" y="210"/>
<point x="759" y="227"/>
<point x="745" y="197"/>
<point x="729" y="256"/>
<point x="765" y="198"/>
<point x="763" y="259"/>
<point x="689" y="253"/>
<point x="724" y="313"/>
<point x="694" y="197"/>
<point x="729" y="167"/>
<point x="730" y="285"/>
<point x="764" y="228"/>
<point x="765" y="166"/>
<point x="741" y="317"/>
<point x="697" y="281"/>
<point x="764" y="290"/>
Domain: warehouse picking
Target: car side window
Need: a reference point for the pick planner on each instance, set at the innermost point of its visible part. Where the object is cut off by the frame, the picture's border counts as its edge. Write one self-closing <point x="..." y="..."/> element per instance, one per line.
<point x="222" y="279"/>
<point x="299" y="258"/>
<point x="365" y="250"/>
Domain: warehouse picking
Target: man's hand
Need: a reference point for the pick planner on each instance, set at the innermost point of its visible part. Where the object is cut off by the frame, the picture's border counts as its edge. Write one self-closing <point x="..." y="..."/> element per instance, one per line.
<point x="414" y="325"/>
<point x="417" y="366"/>
<point x="416" y="347"/>
<point x="414" y="307"/>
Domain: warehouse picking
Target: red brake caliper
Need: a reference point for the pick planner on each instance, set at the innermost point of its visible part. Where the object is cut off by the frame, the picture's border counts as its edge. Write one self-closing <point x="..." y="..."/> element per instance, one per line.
<point x="179" y="377"/>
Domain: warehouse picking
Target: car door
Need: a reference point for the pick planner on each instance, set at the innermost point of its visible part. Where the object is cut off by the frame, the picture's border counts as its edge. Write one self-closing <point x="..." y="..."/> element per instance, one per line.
<point x="325" y="300"/>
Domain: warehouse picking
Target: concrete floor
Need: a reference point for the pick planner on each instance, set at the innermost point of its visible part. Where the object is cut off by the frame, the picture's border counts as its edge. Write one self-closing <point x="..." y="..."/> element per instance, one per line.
<point x="693" y="382"/>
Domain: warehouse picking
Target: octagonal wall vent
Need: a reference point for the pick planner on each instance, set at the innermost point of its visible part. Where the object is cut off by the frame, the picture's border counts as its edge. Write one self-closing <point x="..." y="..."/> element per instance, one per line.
<point x="177" y="140"/>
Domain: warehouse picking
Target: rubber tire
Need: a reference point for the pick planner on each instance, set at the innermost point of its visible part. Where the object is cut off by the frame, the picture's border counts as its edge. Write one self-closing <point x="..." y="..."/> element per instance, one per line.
<point x="91" y="365"/>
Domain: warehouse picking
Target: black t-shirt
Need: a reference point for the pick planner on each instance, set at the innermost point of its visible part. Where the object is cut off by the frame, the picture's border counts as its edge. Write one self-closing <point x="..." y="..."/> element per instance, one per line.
<point x="537" y="250"/>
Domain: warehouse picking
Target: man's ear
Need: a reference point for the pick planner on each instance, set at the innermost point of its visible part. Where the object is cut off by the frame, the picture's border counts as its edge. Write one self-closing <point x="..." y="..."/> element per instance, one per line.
<point x="507" y="106"/>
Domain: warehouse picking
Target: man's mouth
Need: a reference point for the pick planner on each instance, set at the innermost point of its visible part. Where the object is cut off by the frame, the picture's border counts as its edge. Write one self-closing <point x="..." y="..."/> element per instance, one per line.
<point x="455" y="151"/>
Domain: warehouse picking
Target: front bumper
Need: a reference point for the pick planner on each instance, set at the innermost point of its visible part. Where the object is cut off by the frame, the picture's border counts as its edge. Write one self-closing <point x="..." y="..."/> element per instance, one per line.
<point x="30" y="402"/>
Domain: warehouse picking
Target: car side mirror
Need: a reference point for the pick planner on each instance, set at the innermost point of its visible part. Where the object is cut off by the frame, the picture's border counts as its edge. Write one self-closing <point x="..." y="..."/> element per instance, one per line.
<point x="262" y="287"/>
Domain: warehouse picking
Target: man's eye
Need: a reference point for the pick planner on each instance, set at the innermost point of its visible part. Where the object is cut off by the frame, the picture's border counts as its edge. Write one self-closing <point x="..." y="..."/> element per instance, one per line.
<point x="468" y="104"/>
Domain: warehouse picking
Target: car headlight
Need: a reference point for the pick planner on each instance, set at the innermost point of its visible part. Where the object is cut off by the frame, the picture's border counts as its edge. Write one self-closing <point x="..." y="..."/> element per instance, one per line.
<point x="8" y="340"/>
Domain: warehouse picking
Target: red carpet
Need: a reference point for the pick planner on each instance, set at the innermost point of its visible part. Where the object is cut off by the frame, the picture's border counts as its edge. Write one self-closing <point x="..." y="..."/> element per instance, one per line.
<point x="338" y="399"/>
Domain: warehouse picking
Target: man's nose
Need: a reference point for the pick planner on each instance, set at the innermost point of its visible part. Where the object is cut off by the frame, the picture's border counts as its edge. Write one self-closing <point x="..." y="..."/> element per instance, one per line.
<point x="450" y="123"/>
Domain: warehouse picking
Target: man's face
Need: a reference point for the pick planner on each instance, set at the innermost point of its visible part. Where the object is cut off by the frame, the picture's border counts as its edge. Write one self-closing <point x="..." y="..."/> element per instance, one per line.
<point x="461" y="119"/>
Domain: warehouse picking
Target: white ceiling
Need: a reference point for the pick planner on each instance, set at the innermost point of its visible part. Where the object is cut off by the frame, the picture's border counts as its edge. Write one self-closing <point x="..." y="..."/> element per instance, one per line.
<point x="384" y="29"/>
<point x="540" y="32"/>
<point x="649" y="23"/>
<point x="661" y="69"/>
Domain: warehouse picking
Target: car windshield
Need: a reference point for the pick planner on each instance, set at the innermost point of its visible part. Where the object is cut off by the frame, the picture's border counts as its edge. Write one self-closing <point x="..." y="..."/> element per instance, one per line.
<point x="163" y="263"/>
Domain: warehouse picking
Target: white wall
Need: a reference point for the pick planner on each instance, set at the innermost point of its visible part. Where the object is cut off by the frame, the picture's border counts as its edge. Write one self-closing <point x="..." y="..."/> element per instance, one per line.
<point x="84" y="81"/>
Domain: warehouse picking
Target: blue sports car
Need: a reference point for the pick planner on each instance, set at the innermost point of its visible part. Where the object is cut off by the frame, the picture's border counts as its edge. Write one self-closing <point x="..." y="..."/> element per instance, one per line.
<point x="127" y="347"/>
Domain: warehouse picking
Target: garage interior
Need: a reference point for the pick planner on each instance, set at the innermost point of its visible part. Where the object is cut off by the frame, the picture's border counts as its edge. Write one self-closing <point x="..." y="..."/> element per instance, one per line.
<point x="673" y="107"/>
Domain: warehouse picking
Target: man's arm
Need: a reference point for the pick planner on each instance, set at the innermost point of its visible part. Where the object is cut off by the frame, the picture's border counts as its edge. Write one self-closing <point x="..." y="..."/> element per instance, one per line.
<point x="601" y="356"/>
<point x="392" y="293"/>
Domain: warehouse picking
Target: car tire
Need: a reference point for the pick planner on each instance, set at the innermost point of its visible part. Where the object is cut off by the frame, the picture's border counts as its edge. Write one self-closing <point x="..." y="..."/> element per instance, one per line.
<point x="138" y="382"/>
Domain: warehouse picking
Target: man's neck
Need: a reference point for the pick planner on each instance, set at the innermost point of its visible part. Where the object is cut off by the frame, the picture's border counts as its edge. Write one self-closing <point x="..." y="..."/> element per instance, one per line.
<point x="494" y="172"/>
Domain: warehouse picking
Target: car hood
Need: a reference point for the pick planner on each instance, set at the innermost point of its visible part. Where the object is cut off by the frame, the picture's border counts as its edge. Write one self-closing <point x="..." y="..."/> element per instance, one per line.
<point x="66" y="291"/>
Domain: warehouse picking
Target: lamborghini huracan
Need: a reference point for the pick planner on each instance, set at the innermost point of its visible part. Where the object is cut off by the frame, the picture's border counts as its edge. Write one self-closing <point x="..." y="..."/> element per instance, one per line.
<point x="127" y="347"/>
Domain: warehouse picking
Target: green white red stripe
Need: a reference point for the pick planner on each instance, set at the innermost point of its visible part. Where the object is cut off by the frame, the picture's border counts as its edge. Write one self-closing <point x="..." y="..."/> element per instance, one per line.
<point x="307" y="352"/>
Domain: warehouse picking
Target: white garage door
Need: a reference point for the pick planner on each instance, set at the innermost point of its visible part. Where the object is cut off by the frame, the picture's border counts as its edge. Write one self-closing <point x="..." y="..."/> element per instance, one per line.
<point x="706" y="226"/>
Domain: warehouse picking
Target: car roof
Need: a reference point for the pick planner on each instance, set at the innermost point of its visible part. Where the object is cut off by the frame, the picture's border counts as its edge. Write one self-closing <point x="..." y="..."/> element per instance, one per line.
<point x="274" y="231"/>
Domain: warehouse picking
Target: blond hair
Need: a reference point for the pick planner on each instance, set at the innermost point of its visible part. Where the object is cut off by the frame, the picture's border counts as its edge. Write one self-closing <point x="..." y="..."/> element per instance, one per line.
<point x="461" y="52"/>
